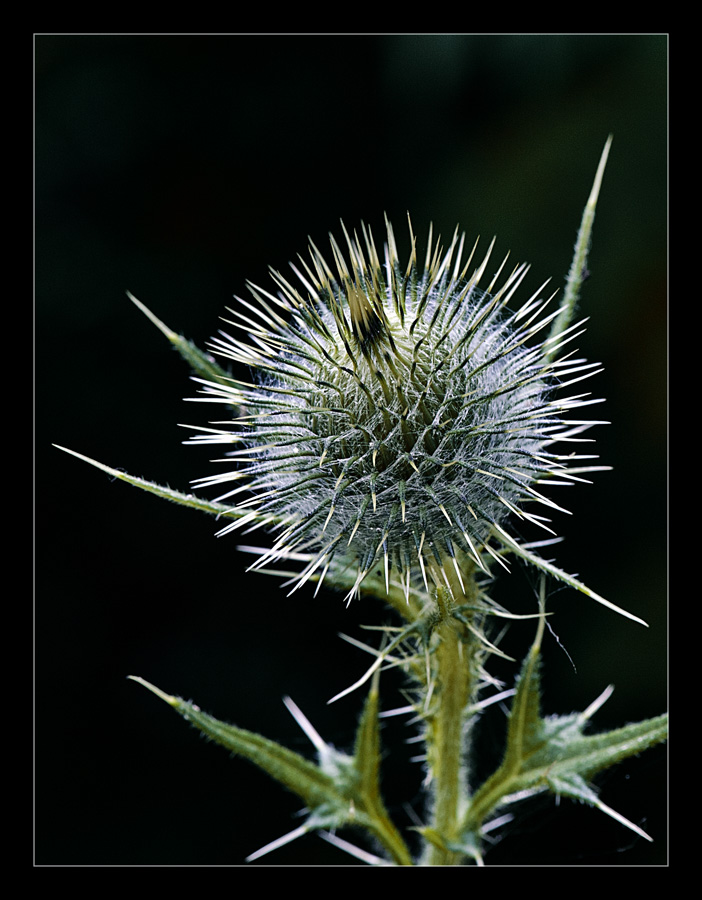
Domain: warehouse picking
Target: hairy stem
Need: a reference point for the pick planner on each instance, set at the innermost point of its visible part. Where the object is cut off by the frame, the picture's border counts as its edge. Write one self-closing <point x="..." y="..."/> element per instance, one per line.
<point x="453" y="686"/>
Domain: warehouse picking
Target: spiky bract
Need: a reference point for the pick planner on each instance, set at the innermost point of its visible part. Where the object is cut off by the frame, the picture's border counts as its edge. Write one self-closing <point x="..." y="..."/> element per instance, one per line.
<point x="397" y="414"/>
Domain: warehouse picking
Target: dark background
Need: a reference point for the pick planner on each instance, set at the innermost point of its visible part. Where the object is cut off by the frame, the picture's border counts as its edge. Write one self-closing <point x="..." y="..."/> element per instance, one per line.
<point x="178" y="167"/>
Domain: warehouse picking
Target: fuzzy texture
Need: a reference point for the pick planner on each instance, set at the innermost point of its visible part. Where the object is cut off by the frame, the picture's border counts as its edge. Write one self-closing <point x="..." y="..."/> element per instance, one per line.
<point x="396" y="413"/>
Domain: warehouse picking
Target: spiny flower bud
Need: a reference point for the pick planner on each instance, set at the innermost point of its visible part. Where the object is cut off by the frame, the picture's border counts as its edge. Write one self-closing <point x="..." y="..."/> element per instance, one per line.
<point x="398" y="414"/>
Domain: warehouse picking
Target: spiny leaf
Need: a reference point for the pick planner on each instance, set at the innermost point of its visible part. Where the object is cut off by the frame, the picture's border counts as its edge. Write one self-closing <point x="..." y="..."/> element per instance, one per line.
<point x="190" y="500"/>
<point x="340" y="791"/>
<point x="553" y="753"/>
<point x="524" y="729"/>
<point x="590" y="754"/>
<point x="367" y="749"/>
<point x="201" y="363"/>
<point x="576" y="275"/>
<point x="367" y="765"/>
<point x="292" y="770"/>
<point x="511" y="544"/>
<point x="576" y="788"/>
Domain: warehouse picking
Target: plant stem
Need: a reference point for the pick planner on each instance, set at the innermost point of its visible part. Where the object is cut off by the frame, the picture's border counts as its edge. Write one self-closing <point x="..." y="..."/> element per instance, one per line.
<point x="453" y="685"/>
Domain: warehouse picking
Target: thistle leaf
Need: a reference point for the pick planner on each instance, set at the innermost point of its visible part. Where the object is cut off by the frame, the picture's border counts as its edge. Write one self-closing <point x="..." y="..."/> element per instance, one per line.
<point x="190" y="500"/>
<point x="367" y="765"/>
<point x="301" y="776"/>
<point x="511" y="544"/>
<point x="553" y="754"/>
<point x="202" y="364"/>
<point x="340" y="791"/>
<point x="367" y="750"/>
<point x="578" y="268"/>
<point x="590" y="754"/>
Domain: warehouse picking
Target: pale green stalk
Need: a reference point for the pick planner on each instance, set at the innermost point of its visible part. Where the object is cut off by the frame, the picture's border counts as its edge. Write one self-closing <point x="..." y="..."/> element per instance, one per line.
<point x="451" y="695"/>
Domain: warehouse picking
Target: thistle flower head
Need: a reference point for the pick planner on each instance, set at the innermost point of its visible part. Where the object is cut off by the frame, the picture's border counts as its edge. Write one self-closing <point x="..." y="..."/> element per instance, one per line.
<point x="397" y="414"/>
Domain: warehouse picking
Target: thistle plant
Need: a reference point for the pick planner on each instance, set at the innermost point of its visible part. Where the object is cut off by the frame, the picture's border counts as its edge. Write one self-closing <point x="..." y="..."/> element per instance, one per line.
<point x="402" y="418"/>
